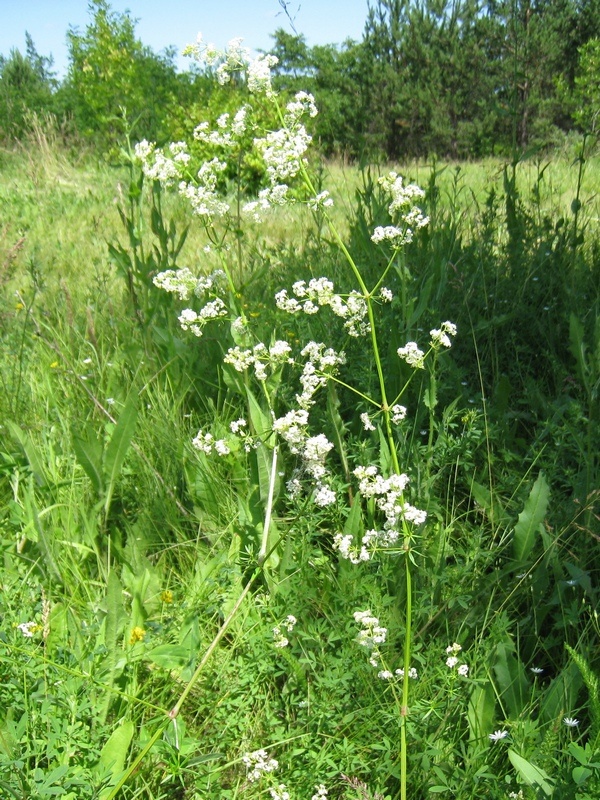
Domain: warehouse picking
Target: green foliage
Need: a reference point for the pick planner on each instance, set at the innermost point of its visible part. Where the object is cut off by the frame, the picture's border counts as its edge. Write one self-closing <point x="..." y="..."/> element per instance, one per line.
<point x="587" y="87"/>
<point x="27" y="87"/>
<point x="115" y="84"/>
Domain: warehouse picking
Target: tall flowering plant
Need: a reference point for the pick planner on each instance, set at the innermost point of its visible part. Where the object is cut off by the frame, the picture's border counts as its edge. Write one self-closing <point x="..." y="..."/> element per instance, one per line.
<point x="380" y="518"/>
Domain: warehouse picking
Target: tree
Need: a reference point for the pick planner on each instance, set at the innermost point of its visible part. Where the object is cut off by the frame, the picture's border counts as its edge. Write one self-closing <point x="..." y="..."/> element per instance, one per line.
<point x="27" y="85"/>
<point x="114" y="82"/>
<point x="587" y="87"/>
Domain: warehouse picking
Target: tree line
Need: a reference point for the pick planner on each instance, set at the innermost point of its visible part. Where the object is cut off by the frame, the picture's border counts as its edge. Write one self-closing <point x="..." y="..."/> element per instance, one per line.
<point x="452" y="78"/>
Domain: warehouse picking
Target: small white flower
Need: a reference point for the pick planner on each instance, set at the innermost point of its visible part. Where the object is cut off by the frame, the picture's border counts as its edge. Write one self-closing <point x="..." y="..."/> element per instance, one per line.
<point x="451" y="662"/>
<point x="537" y="670"/>
<point x="497" y="735"/>
<point x="324" y="496"/>
<point x="385" y="674"/>
<point x="321" y="792"/>
<point x="257" y="763"/>
<point x="463" y="670"/>
<point x="366" y="421"/>
<point x="398" y="414"/>
<point x="571" y="722"/>
<point x="27" y="629"/>
<point x="279" y="793"/>
<point x="412" y="355"/>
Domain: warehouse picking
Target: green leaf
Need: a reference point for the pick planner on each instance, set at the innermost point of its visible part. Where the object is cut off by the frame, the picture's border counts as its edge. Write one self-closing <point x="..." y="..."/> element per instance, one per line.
<point x="113" y="627"/>
<point x="354" y="520"/>
<point x="29" y="451"/>
<point x="114" y="753"/>
<point x="530" y="519"/>
<point x="532" y="775"/>
<point x="511" y="680"/>
<point x="169" y="656"/>
<point x="480" y="711"/>
<point x="88" y="453"/>
<point x="261" y="422"/>
<point x="117" y="448"/>
<point x="581" y="774"/>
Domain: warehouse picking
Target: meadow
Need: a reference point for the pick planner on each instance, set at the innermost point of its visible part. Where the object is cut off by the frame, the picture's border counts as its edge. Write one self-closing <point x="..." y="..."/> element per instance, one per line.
<point x="237" y="564"/>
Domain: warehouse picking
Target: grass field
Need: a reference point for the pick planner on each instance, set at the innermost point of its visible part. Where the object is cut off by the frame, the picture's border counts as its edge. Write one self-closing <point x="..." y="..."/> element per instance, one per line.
<point x="171" y="610"/>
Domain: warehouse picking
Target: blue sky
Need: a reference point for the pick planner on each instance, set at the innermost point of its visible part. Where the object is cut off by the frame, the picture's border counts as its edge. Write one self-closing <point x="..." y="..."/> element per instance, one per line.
<point x="177" y="22"/>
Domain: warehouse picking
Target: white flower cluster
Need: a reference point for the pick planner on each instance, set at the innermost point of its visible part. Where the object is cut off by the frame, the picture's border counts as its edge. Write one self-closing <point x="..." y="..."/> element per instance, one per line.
<point x="279" y="792"/>
<point x="320" y="292"/>
<point x="371" y="635"/>
<point x="184" y="283"/>
<point x="228" y="131"/>
<point x="452" y="652"/>
<point x="366" y="422"/>
<point x="402" y="207"/>
<point x="412" y="673"/>
<point x="158" y="165"/>
<point x="388" y="494"/>
<point x="321" y="201"/>
<point x="283" y="153"/>
<point x="440" y="337"/>
<point x="313" y="449"/>
<point x="397" y="415"/>
<point x="170" y="165"/>
<point x="288" y="624"/>
<point x="267" y="198"/>
<point x="206" y="442"/>
<point x="234" y="59"/>
<point x="293" y="429"/>
<point x="258" y="763"/>
<point x="260" y="357"/>
<point x="321" y="792"/>
<point x="193" y="321"/>
<point x="28" y="629"/>
<point x="202" y="193"/>
<point x="321" y="362"/>
<point x="412" y="355"/>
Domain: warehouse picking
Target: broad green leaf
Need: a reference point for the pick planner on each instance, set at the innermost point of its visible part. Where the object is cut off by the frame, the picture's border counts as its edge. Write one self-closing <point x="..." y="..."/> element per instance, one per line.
<point x="489" y="503"/>
<point x="45" y="543"/>
<point x="29" y="451"/>
<point x="117" y="448"/>
<point x="261" y="421"/>
<point x="114" y="753"/>
<point x="430" y="394"/>
<point x="169" y="656"/>
<point x="480" y="711"/>
<point x="530" y="519"/>
<point x="511" y="680"/>
<point x="339" y="428"/>
<point x="532" y="775"/>
<point x="581" y="774"/>
<point x="88" y="453"/>
<point x="113" y="627"/>
<point x="354" y="520"/>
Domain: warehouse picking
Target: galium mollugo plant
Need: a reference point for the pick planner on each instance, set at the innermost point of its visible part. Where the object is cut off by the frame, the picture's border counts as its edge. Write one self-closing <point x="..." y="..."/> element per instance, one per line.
<point x="283" y="437"/>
